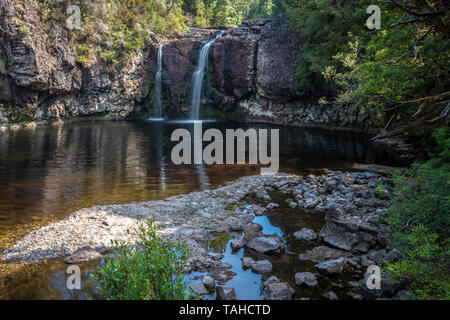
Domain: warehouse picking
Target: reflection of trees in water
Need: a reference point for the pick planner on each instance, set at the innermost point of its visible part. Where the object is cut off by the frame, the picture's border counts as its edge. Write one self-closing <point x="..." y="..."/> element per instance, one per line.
<point x="62" y="168"/>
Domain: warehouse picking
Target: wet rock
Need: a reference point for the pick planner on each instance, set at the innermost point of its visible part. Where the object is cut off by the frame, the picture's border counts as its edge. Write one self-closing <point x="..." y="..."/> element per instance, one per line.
<point x="386" y="288"/>
<point x="311" y="203"/>
<point x="331" y="267"/>
<point x="330" y="295"/>
<point x="272" y="205"/>
<point x="225" y="293"/>
<point x="403" y="295"/>
<point x="377" y="256"/>
<point x="262" y="267"/>
<point x="268" y="244"/>
<point x="393" y="256"/>
<point x="84" y="254"/>
<point x="323" y="253"/>
<point x="223" y="276"/>
<point x="216" y="255"/>
<point x="270" y="280"/>
<point x="251" y="231"/>
<point x="199" y="288"/>
<point x="365" y="262"/>
<point x="236" y="244"/>
<point x="337" y="236"/>
<point x="355" y="296"/>
<point x="247" y="262"/>
<point x="305" y="234"/>
<point x="235" y="224"/>
<point x="208" y="282"/>
<point x="306" y="278"/>
<point x="257" y="210"/>
<point x="278" y="291"/>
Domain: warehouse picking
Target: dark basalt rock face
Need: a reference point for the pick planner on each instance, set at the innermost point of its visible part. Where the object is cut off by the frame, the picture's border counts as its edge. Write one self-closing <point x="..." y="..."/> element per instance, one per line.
<point x="251" y="75"/>
<point x="41" y="80"/>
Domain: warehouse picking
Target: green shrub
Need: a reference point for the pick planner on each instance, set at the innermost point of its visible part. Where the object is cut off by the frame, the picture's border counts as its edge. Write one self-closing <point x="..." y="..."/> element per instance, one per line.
<point x="419" y="221"/>
<point x="151" y="270"/>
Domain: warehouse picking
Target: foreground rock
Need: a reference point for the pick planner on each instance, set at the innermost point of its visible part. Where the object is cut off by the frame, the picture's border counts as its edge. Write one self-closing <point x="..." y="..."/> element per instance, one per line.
<point x="306" y="278"/>
<point x="269" y="244"/>
<point x="225" y="293"/>
<point x="85" y="254"/>
<point x="262" y="267"/>
<point x="331" y="267"/>
<point x="306" y="235"/>
<point x="278" y="291"/>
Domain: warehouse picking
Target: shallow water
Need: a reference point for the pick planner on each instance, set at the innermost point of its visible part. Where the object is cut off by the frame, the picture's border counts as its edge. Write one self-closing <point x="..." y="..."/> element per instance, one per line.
<point x="50" y="171"/>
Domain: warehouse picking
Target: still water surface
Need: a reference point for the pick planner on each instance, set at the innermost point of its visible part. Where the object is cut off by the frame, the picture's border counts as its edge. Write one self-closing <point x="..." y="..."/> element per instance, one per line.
<point x="49" y="171"/>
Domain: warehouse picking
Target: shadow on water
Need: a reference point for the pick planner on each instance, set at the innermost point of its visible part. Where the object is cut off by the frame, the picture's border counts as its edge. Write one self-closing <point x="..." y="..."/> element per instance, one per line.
<point x="50" y="171"/>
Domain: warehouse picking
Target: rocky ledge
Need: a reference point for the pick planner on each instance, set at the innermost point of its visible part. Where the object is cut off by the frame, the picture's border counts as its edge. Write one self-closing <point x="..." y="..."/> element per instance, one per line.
<point x="351" y="237"/>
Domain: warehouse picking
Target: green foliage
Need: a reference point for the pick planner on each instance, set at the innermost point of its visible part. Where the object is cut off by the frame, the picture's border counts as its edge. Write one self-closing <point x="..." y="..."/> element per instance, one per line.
<point x="153" y="270"/>
<point x="419" y="221"/>
<point x="400" y="63"/>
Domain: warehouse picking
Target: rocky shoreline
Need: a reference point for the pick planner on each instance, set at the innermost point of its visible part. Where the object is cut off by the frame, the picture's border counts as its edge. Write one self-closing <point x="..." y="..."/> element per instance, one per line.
<point x="350" y="240"/>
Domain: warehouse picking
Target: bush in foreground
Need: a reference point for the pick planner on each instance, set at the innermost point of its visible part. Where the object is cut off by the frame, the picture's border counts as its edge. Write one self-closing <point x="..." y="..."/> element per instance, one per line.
<point x="152" y="270"/>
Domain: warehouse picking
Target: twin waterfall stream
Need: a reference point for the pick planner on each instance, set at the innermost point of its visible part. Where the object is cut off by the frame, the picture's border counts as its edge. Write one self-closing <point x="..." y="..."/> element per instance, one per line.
<point x="197" y="81"/>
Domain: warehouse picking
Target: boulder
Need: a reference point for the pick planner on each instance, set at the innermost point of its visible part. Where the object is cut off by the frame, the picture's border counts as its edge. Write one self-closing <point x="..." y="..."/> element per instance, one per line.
<point x="305" y="234"/>
<point x="262" y="267"/>
<point x="251" y="231"/>
<point x="199" y="288"/>
<point x="270" y="280"/>
<point x="225" y="293"/>
<point x="331" y="267"/>
<point x="208" y="282"/>
<point x="247" y="262"/>
<point x="236" y="244"/>
<point x="330" y="295"/>
<point x="306" y="278"/>
<point x="84" y="254"/>
<point x="278" y="291"/>
<point x="268" y="244"/>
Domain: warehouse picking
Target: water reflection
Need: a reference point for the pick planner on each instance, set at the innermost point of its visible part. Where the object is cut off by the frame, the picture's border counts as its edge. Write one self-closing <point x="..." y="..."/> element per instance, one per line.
<point x="48" y="172"/>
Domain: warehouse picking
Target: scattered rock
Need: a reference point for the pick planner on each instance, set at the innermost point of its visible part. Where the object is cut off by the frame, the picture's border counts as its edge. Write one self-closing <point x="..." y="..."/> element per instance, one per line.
<point x="208" y="282"/>
<point x="262" y="267"/>
<point x="268" y="244"/>
<point x="330" y="295"/>
<point x="247" y="262"/>
<point x="270" y="280"/>
<point x="251" y="231"/>
<point x="393" y="256"/>
<point x="306" y="278"/>
<point x="84" y="254"/>
<point x="278" y="291"/>
<point x="403" y="295"/>
<point x="225" y="293"/>
<point x="236" y="244"/>
<point x="305" y="234"/>
<point x="199" y="288"/>
<point x="331" y="267"/>
<point x="272" y="205"/>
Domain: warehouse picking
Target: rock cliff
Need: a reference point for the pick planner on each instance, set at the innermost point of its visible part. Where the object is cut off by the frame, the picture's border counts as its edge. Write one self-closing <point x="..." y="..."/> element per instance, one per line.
<point x="251" y="75"/>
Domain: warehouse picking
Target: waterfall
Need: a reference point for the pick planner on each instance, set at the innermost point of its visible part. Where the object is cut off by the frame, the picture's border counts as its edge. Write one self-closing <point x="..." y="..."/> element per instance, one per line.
<point x="197" y="79"/>
<point x="158" y="76"/>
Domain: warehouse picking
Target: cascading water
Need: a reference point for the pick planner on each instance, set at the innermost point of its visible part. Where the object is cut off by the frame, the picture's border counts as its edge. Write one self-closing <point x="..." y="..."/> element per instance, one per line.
<point x="158" y="91"/>
<point x="197" y="80"/>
